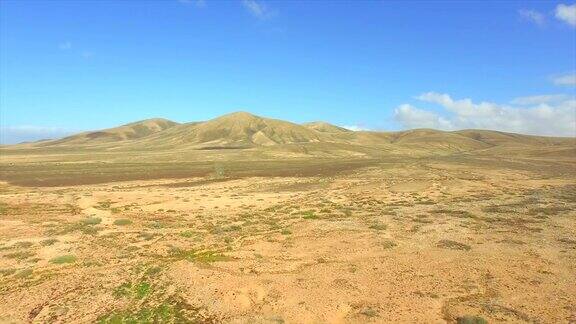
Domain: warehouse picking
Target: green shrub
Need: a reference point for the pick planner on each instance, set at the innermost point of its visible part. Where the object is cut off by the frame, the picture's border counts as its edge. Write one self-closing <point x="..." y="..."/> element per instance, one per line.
<point x="309" y="215"/>
<point x="170" y="311"/>
<point x="187" y="234"/>
<point x="142" y="289"/>
<point x="122" y="222"/>
<point x="137" y="291"/>
<point x="92" y="221"/>
<point x="199" y="256"/>
<point x="63" y="259"/>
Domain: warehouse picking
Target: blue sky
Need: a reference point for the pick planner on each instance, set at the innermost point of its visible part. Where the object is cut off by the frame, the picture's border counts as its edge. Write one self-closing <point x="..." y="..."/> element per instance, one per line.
<point x="67" y="66"/>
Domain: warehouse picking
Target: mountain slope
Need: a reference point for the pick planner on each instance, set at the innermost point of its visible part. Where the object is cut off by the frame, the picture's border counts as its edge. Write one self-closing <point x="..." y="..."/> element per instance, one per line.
<point x="325" y="127"/>
<point x="235" y="130"/>
<point x="130" y="131"/>
<point x="496" y="138"/>
<point x="244" y="135"/>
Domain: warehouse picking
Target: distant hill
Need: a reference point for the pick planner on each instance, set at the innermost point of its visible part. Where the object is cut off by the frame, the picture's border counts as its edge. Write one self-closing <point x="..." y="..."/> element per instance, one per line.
<point x="130" y="131"/>
<point x="325" y="127"/>
<point x="252" y="136"/>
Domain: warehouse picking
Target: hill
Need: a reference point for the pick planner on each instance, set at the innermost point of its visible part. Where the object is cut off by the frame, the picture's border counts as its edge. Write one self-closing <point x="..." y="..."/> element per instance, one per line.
<point x="242" y="129"/>
<point x="242" y="135"/>
<point x="325" y="127"/>
<point x="130" y="131"/>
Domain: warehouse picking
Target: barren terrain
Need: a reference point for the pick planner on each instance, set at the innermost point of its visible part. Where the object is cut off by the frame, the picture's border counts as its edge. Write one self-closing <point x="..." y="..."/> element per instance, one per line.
<point x="418" y="227"/>
<point x="422" y="240"/>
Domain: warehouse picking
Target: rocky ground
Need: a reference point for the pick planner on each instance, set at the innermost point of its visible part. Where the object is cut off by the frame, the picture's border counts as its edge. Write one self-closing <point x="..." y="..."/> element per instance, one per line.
<point x="433" y="241"/>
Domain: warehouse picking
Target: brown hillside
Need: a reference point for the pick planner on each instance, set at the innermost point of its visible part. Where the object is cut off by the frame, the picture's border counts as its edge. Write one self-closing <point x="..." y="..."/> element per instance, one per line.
<point x="130" y="131"/>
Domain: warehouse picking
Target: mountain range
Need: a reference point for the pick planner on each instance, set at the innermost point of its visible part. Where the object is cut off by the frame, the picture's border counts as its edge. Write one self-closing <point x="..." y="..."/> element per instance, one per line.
<point x="245" y="131"/>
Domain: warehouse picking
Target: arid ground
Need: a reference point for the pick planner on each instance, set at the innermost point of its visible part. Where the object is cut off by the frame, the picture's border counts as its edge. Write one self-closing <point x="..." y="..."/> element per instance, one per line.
<point x="245" y="219"/>
<point x="419" y="240"/>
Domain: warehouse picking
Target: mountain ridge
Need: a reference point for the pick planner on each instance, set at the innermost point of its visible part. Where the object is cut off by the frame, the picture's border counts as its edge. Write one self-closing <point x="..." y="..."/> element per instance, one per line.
<point x="243" y="130"/>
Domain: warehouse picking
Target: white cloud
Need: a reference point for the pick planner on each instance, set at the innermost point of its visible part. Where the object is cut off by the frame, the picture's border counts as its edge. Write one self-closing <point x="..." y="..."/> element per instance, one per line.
<point x="197" y="3"/>
<point x="65" y="46"/>
<point x="355" y="128"/>
<point x="540" y="99"/>
<point x="566" y="13"/>
<point x="27" y="133"/>
<point x="532" y="16"/>
<point x="539" y="115"/>
<point x="566" y="79"/>
<point x="412" y="117"/>
<point x="258" y="9"/>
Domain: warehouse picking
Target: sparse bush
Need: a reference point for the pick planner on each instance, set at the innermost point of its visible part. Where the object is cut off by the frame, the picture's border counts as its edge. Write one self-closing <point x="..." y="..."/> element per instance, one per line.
<point x="219" y="171"/>
<point x="378" y="226"/>
<point x="92" y="221"/>
<point x="142" y="289"/>
<point x="23" y="245"/>
<point x="156" y="225"/>
<point x="170" y="311"/>
<point x="122" y="222"/>
<point x="309" y="215"/>
<point x="199" y="256"/>
<point x="388" y="244"/>
<point x="369" y="312"/>
<point x="232" y="228"/>
<point x="137" y="291"/>
<point x="454" y="213"/>
<point x="48" y="242"/>
<point x="449" y="244"/>
<point x="471" y="320"/>
<point x="63" y="259"/>
<point x="90" y="230"/>
<point x="7" y="272"/>
<point x="152" y="271"/>
<point x="103" y="204"/>
<point x="187" y="234"/>
<point x="20" y="255"/>
<point x="24" y="273"/>
<point x="146" y="236"/>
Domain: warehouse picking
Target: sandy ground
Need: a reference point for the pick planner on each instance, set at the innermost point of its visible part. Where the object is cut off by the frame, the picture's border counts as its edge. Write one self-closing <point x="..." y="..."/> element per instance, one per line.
<point x="419" y="243"/>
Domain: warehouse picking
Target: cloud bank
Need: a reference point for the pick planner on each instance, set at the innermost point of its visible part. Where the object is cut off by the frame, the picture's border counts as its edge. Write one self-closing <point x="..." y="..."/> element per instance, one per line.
<point x="551" y="115"/>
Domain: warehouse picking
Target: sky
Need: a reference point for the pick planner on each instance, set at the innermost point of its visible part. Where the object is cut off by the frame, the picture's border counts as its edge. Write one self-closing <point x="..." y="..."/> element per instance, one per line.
<point x="70" y="66"/>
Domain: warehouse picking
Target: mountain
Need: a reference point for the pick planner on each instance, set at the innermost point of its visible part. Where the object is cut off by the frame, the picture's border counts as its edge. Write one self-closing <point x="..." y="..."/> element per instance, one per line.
<point x="325" y="127"/>
<point x="130" y="131"/>
<point x="246" y="136"/>
<point x="244" y="129"/>
<point x="235" y="130"/>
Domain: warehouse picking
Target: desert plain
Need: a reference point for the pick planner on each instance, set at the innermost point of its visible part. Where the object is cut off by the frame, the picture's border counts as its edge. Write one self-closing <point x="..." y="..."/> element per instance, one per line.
<point x="244" y="219"/>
